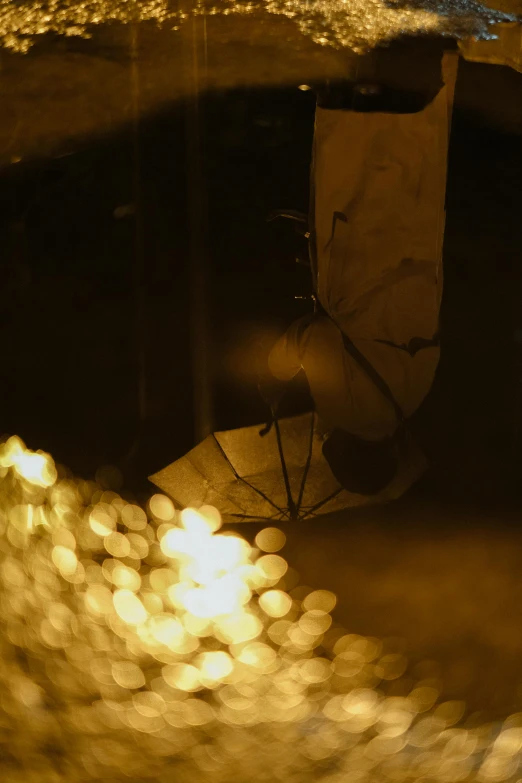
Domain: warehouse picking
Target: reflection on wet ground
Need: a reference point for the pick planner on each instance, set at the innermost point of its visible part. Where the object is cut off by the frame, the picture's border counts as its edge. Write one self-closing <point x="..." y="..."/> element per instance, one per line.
<point x="355" y="24"/>
<point x="138" y="642"/>
<point x="72" y="273"/>
<point x="94" y="138"/>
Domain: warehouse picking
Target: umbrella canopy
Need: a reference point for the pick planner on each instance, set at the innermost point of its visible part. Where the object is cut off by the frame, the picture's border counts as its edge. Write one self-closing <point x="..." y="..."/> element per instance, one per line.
<point x="282" y="475"/>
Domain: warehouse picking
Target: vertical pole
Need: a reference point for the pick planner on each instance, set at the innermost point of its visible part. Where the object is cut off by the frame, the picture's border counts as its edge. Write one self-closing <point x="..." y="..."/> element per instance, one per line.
<point x="140" y="320"/>
<point x="198" y="230"/>
<point x="516" y="364"/>
<point x="140" y="340"/>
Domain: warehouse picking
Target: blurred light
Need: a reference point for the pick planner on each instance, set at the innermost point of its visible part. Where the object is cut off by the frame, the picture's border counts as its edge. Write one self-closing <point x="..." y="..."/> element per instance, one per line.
<point x="339" y="23"/>
<point x="273" y="567"/>
<point x="271" y="539"/>
<point x="275" y="603"/>
<point x="322" y="600"/>
<point x="129" y="607"/>
<point x="125" y="653"/>
<point x="162" y="507"/>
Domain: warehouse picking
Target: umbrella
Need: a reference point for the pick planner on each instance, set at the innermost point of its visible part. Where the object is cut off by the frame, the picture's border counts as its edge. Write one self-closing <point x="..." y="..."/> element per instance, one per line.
<point x="279" y="476"/>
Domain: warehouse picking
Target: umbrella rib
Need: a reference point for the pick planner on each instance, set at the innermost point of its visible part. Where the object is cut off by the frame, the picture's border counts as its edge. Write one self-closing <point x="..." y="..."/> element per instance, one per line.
<point x="310" y="514"/>
<point x="308" y="462"/>
<point x="260" y="518"/>
<point x="247" y="483"/>
<point x="313" y="509"/>
<point x="291" y="504"/>
<point x="203" y="476"/>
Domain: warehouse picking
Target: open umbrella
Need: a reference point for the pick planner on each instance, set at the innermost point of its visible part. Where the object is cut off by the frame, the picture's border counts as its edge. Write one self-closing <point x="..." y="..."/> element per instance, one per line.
<point x="377" y="218"/>
<point x="279" y="476"/>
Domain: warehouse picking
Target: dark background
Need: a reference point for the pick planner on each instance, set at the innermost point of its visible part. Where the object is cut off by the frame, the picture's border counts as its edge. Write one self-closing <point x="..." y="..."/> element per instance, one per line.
<point x="93" y="305"/>
<point x="97" y="302"/>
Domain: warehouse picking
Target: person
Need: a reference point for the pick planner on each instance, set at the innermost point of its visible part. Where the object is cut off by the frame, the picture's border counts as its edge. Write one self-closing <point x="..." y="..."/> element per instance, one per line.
<point x="370" y="349"/>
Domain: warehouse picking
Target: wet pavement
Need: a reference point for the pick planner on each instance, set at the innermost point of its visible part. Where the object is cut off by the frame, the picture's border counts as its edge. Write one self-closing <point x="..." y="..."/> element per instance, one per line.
<point x="67" y="90"/>
<point x="440" y="581"/>
<point x="88" y="300"/>
<point x="438" y="572"/>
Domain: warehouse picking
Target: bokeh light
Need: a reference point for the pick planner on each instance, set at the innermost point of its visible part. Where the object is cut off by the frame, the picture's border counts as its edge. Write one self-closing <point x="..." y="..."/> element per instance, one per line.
<point x="157" y="646"/>
<point x="356" y="24"/>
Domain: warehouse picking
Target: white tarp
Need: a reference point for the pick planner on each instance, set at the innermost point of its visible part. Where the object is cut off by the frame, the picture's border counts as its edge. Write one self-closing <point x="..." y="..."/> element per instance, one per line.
<point x="379" y="182"/>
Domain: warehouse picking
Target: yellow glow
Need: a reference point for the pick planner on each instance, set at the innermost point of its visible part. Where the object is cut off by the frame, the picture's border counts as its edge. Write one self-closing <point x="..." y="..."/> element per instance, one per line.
<point x="128" y="675"/>
<point x="182" y="676"/>
<point x="271" y="539"/>
<point x="117" y="545"/>
<point x="162" y="508"/>
<point x="223" y="596"/>
<point x="35" y="467"/>
<point x="195" y="523"/>
<point x="175" y="542"/>
<point x="64" y="559"/>
<point x="214" y="665"/>
<point x="134" y="517"/>
<point x="450" y="712"/>
<point x="101" y="522"/>
<point x="508" y="741"/>
<point x="129" y="607"/>
<point x="150" y="705"/>
<point x="315" y="622"/>
<point x="273" y="567"/>
<point x="146" y="638"/>
<point x="323" y="600"/>
<point x="98" y="599"/>
<point x="241" y="627"/>
<point x="212" y="516"/>
<point x="126" y="578"/>
<point x="391" y="666"/>
<point x="339" y="23"/>
<point x="315" y="670"/>
<point x="168" y="630"/>
<point x="275" y="603"/>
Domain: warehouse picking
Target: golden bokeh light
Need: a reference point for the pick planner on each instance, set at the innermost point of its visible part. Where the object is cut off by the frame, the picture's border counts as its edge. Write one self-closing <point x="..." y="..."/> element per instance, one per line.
<point x="35" y="467"/>
<point x="134" y="645"/>
<point x="161" y="507"/>
<point x="319" y="600"/>
<point x="133" y="517"/>
<point x="355" y="24"/>
<point x="129" y="607"/>
<point x="273" y="567"/>
<point x="270" y="539"/>
<point x="275" y="603"/>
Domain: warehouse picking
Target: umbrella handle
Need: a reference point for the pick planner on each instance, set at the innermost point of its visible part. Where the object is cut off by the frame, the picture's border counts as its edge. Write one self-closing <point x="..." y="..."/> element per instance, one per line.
<point x="266" y="429"/>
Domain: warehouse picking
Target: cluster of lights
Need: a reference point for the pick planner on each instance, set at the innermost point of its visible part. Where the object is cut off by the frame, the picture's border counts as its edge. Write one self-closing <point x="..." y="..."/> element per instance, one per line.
<point x="357" y="24"/>
<point x="360" y="25"/>
<point x="152" y="645"/>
